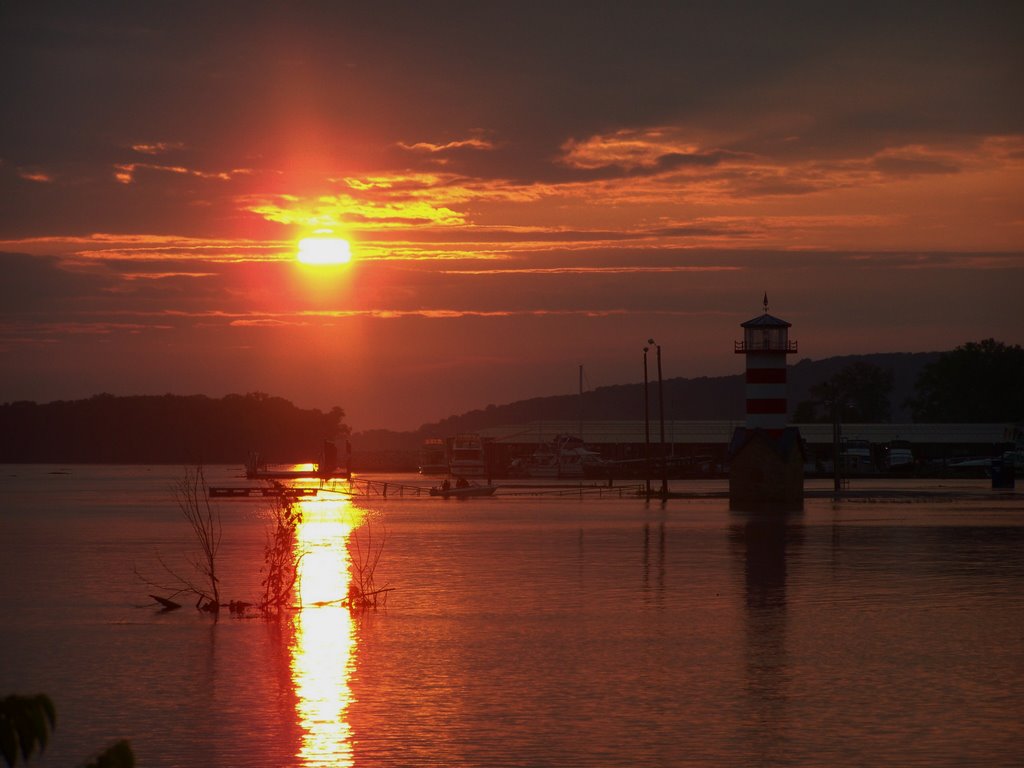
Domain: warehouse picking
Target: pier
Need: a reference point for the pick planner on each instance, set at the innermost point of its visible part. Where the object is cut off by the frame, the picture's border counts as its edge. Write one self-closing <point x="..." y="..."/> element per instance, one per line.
<point x="259" y="491"/>
<point x="390" y="489"/>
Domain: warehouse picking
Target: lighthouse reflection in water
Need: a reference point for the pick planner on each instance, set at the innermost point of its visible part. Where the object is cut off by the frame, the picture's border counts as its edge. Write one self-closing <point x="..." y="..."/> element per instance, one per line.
<point x="323" y="650"/>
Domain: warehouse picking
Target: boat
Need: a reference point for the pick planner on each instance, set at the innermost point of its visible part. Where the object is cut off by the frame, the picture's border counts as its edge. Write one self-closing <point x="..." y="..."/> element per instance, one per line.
<point x="564" y="457"/>
<point x="256" y="467"/>
<point x="899" y="456"/>
<point x="855" y="457"/>
<point x="462" y="489"/>
<point x="466" y="458"/>
<point x="433" y="457"/>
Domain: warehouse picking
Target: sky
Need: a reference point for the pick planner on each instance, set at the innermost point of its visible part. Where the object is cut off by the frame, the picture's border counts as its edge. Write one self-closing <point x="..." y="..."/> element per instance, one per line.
<point x="525" y="188"/>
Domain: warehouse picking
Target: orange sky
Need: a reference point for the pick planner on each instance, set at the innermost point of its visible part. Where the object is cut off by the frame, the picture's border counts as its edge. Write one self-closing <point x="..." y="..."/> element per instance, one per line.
<point x="524" y="192"/>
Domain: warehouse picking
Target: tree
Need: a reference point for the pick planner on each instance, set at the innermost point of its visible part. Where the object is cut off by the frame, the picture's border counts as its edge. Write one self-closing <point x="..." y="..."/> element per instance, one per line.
<point x="861" y="389"/>
<point x="978" y="382"/>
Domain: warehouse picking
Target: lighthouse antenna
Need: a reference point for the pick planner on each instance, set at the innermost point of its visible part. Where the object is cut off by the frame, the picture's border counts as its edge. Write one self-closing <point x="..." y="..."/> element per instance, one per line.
<point x="766" y="302"/>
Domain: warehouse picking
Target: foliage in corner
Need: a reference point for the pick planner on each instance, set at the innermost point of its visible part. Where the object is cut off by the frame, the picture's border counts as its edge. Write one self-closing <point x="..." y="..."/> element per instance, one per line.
<point x="979" y="382"/>
<point x="25" y="723"/>
<point x="117" y="755"/>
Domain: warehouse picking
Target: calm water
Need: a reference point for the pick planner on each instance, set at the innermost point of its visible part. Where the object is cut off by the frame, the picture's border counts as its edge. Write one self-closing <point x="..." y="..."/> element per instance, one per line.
<point x="523" y="631"/>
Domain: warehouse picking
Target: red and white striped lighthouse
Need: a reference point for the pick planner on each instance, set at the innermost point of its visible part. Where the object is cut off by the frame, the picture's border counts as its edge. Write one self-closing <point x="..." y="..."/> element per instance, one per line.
<point x="766" y="344"/>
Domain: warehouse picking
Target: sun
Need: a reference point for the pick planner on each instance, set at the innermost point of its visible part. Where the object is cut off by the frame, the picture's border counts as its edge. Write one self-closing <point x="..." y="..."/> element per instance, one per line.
<point x="324" y="250"/>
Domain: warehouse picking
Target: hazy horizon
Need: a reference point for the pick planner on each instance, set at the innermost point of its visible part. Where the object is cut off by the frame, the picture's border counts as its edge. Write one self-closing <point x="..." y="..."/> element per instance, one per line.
<point x="326" y="407"/>
<point x="521" y="193"/>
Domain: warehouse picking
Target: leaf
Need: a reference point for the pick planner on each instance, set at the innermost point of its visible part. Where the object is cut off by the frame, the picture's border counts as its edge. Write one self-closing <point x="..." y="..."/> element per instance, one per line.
<point x="8" y="741"/>
<point x="37" y="717"/>
<point x="118" y="755"/>
<point x="25" y="732"/>
<point x="48" y="709"/>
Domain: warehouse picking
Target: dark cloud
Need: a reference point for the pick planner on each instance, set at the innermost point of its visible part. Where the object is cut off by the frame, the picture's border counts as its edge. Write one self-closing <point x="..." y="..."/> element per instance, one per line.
<point x="39" y="287"/>
<point x="242" y="84"/>
<point x="911" y="166"/>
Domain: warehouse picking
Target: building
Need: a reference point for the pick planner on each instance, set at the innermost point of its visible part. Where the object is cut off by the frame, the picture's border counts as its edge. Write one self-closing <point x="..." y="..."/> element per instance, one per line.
<point x="766" y="458"/>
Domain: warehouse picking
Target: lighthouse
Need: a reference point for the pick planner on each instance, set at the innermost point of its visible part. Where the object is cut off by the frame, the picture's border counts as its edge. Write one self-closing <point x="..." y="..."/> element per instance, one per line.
<point x="765" y="345"/>
<point x="765" y="456"/>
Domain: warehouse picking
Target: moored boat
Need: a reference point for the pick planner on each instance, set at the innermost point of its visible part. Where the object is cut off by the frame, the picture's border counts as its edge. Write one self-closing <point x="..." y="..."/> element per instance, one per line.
<point x="565" y="456"/>
<point x="899" y="456"/>
<point x="462" y="489"/>
<point x="467" y="456"/>
<point x="433" y="457"/>
<point x="329" y="468"/>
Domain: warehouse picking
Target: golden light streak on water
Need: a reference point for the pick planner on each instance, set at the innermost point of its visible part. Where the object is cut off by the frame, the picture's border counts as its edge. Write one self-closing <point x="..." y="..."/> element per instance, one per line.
<point x="324" y="647"/>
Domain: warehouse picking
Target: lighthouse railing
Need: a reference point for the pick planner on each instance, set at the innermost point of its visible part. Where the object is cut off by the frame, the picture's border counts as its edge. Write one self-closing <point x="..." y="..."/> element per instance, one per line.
<point x="741" y="347"/>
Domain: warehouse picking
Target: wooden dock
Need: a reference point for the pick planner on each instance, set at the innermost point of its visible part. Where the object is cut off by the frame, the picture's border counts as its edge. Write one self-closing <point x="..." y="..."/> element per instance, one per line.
<point x="357" y="486"/>
<point x="260" y="492"/>
<point x="388" y="489"/>
<point x="599" y="491"/>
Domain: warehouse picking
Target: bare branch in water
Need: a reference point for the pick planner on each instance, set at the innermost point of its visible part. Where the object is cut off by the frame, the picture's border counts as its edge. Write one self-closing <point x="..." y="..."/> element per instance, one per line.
<point x="193" y="499"/>
<point x="192" y="495"/>
<point x="364" y="555"/>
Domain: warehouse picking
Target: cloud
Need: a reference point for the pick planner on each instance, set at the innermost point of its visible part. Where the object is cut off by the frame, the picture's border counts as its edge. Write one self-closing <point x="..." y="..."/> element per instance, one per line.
<point x="627" y="270"/>
<point x="432" y="148"/>
<point x="34" y="174"/>
<point x="157" y="147"/>
<point x="630" y="149"/>
<point x="136" y="248"/>
<point x="125" y="173"/>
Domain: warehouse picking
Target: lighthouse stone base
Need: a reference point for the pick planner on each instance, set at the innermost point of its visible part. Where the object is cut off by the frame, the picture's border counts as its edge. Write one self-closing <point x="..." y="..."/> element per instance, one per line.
<point x="766" y="470"/>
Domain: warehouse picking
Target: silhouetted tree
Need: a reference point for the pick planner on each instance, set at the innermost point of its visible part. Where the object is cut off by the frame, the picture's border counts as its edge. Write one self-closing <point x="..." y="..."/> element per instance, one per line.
<point x="978" y="382"/>
<point x="861" y="389"/>
<point x="165" y="429"/>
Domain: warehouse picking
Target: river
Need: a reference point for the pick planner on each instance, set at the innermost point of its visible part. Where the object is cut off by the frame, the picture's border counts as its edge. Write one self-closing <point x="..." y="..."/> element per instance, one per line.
<point x="521" y="631"/>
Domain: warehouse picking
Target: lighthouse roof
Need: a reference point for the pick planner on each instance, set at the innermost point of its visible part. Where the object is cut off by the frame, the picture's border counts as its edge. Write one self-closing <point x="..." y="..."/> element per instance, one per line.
<point x="766" y="321"/>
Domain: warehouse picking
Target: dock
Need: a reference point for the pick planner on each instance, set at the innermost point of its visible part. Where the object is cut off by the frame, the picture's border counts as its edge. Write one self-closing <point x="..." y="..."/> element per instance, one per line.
<point x="389" y="489"/>
<point x="260" y="492"/>
<point x="357" y="486"/>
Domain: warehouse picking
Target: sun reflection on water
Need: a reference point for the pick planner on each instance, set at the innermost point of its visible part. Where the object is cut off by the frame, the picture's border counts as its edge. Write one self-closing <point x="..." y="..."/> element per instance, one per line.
<point x="324" y="647"/>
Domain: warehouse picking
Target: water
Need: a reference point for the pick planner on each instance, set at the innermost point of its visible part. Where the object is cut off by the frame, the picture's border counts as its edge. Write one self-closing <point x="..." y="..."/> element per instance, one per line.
<point x="522" y="631"/>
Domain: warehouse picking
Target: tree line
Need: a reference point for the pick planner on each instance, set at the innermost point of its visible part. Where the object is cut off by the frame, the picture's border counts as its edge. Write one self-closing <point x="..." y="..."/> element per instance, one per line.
<point x="167" y="429"/>
<point x="978" y="382"/>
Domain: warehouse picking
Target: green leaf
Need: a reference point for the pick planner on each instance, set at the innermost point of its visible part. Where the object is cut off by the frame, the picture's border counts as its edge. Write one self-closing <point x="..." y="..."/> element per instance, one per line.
<point x="48" y="709"/>
<point x="25" y="731"/>
<point x="118" y="755"/>
<point x="8" y="741"/>
<point x="37" y="717"/>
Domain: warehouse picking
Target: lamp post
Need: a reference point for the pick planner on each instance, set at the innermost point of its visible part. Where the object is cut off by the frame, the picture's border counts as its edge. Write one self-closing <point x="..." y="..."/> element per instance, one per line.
<point x="661" y="418"/>
<point x="647" y="433"/>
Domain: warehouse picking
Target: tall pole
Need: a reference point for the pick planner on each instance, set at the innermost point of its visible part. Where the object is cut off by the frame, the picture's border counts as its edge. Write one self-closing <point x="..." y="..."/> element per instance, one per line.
<point x="837" y="482"/>
<point x="661" y="419"/>
<point x="580" y="403"/>
<point x="647" y="433"/>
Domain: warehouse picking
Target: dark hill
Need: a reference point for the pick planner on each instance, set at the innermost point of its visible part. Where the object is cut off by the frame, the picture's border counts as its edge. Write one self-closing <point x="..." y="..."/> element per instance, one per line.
<point x="713" y="398"/>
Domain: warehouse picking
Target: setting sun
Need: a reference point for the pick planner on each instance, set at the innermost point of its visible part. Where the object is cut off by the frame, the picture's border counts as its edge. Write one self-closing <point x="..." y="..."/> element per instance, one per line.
<point x="324" y="250"/>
